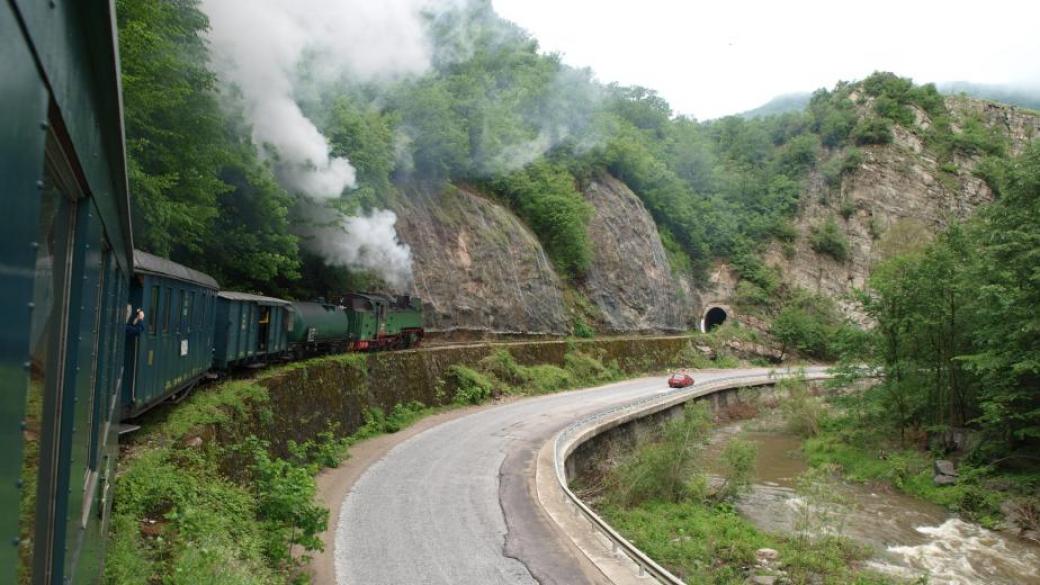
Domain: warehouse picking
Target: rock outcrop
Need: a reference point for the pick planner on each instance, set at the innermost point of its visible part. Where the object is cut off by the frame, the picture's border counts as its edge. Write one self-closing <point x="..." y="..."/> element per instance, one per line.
<point x="477" y="267"/>
<point x="630" y="281"/>
<point x="900" y="190"/>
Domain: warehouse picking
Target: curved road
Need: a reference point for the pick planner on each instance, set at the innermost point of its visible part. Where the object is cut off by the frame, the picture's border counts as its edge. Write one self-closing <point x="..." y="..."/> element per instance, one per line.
<point x="455" y="504"/>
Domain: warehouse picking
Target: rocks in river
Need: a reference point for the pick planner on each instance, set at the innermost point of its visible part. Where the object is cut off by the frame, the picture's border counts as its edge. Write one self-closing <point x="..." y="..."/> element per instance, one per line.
<point x="945" y="472"/>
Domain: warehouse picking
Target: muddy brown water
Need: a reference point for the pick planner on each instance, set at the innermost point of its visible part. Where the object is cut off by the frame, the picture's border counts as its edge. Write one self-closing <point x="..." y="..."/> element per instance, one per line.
<point x="910" y="537"/>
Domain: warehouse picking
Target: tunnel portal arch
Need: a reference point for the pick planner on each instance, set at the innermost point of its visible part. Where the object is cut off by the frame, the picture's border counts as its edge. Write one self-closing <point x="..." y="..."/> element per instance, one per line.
<point x="714" y="317"/>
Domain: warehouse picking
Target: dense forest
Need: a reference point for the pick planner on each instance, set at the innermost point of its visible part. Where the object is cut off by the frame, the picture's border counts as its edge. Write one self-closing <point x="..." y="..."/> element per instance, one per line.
<point x="957" y="332"/>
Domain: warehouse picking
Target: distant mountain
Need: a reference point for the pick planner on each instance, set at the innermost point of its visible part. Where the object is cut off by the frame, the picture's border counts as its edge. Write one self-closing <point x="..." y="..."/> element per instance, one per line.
<point x="789" y="102"/>
<point x="1016" y="96"/>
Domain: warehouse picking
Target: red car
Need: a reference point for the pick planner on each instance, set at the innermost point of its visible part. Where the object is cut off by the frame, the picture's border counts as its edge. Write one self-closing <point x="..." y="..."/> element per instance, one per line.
<point x="680" y="380"/>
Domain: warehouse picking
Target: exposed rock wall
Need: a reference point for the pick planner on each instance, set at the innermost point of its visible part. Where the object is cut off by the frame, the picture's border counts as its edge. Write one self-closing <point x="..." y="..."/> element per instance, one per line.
<point x="630" y="280"/>
<point x="477" y="267"/>
<point x="899" y="185"/>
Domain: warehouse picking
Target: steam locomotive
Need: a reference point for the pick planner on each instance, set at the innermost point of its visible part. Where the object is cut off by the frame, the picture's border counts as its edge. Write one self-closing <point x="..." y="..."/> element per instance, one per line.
<point x="72" y="368"/>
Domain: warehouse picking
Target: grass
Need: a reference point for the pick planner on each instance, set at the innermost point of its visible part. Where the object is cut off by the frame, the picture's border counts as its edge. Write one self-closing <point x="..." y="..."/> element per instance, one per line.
<point x="855" y="438"/>
<point x="713" y="544"/>
<point x="977" y="495"/>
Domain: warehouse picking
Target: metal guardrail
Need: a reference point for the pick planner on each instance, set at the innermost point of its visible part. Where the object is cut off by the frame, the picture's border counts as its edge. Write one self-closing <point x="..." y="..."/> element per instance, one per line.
<point x="577" y="433"/>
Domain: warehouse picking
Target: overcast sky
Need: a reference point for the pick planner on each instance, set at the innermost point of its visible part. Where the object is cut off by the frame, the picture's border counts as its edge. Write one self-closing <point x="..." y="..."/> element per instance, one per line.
<point x="709" y="59"/>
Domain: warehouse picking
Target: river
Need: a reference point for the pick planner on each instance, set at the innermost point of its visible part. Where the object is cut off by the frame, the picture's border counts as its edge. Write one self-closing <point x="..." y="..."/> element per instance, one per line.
<point x="910" y="537"/>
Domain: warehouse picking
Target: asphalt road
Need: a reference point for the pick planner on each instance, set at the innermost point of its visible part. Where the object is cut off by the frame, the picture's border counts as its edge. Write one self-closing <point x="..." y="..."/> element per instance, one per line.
<point x="455" y="505"/>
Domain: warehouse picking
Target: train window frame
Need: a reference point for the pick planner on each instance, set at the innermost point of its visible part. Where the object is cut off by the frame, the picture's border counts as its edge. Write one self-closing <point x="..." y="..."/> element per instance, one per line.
<point x="167" y="301"/>
<point x="153" y="308"/>
<point x="57" y="168"/>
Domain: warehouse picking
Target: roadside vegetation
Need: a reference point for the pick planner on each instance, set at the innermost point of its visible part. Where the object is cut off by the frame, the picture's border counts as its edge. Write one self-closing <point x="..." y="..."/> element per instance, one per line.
<point x="660" y="497"/>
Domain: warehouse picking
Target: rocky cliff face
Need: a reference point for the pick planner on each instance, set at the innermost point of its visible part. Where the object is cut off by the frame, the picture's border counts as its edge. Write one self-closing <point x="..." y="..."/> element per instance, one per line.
<point x="630" y="281"/>
<point x="898" y="189"/>
<point x="477" y="267"/>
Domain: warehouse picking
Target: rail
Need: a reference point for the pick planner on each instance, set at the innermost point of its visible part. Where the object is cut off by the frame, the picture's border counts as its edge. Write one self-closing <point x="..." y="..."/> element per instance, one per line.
<point x="585" y="428"/>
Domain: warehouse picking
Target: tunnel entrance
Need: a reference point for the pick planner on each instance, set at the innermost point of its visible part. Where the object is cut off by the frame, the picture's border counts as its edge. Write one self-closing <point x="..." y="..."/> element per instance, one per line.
<point x="715" y="317"/>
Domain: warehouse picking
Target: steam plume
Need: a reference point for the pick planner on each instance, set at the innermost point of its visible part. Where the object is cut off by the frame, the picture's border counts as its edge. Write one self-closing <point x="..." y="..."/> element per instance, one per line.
<point x="260" y="47"/>
<point x="368" y="242"/>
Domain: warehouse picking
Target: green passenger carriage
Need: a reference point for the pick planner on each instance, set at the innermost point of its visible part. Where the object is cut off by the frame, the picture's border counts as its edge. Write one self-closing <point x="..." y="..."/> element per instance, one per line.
<point x="250" y="329"/>
<point x="175" y="350"/>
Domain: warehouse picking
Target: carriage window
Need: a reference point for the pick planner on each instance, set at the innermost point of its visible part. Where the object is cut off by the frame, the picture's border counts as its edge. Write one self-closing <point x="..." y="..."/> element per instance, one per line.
<point x="57" y="221"/>
<point x="182" y="309"/>
<point x="166" y="310"/>
<point x="154" y="309"/>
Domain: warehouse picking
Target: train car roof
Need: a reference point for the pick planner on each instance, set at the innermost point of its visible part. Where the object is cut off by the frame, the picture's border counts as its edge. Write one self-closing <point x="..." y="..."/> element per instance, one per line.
<point x="151" y="264"/>
<point x="259" y="299"/>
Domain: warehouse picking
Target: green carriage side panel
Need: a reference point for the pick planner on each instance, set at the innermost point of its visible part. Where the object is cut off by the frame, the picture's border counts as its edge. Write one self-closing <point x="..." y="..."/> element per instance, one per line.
<point x="63" y="287"/>
<point x="377" y="315"/>
<point x="250" y="328"/>
<point x="22" y="138"/>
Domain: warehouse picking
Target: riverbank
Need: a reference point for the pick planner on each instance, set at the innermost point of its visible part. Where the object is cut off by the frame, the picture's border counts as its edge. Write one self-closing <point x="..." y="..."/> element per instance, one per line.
<point x="675" y="496"/>
<point x="1001" y="497"/>
<point x="794" y="522"/>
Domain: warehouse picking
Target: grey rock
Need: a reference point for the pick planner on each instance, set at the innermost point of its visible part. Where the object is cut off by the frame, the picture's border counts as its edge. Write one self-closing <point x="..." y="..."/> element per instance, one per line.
<point x="630" y="280"/>
<point x="476" y="266"/>
<point x="767" y="554"/>
<point x="944" y="467"/>
<point x="944" y="480"/>
<point x="763" y="580"/>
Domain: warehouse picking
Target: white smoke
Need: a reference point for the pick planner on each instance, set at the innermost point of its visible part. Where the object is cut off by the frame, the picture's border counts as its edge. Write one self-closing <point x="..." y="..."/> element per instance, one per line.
<point x="368" y="242"/>
<point x="261" y="45"/>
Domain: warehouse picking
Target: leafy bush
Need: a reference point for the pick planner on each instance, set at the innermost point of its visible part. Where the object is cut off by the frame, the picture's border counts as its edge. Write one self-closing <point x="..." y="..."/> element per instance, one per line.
<point x="738" y="461"/>
<point x="807" y="324"/>
<point x="828" y="239"/>
<point x="587" y="369"/>
<point x="471" y="386"/>
<point x="873" y="130"/>
<point x="544" y="378"/>
<point x="544" y="195"/>
<point x="891" y="109"/>
<point x="666" y="468"/>
<point x="803" y="412"/>
<point x="582" y="328"/>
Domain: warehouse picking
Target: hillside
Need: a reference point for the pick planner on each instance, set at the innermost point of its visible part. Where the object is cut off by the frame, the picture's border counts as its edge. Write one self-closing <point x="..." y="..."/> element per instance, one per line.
<point x="518" y="195"/>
